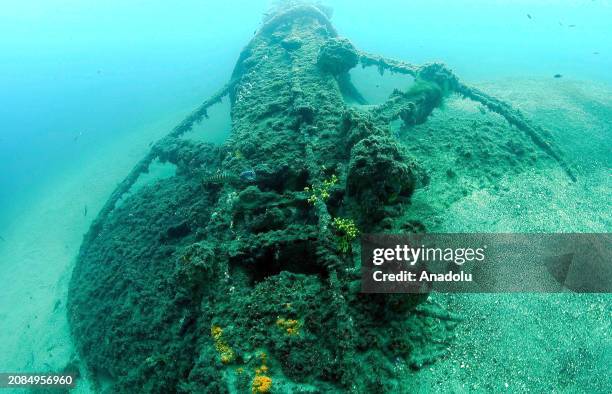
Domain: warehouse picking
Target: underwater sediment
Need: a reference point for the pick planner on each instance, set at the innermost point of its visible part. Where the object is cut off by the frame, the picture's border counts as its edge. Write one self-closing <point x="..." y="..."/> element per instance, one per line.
<point x="249" y="280"/>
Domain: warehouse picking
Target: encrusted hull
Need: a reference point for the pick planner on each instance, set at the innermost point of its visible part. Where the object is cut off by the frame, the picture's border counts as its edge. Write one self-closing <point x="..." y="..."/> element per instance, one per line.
<point x="239" y="285"/>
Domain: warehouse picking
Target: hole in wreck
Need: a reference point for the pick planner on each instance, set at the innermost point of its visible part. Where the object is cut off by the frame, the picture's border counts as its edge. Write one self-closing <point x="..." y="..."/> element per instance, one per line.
<point x="375" y="88"/>
<point x="295" y="257"/>
<point x="283" y="179"/>
<point x="156" y="172"/>
<point x="214" y="129"/>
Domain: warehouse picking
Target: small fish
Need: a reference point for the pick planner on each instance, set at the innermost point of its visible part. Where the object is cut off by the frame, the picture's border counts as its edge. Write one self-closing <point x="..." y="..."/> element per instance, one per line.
<point x="557" y="76"/>
<point x="528" y="16"/>
<point x="571" y="25"/>
<point x="76" y="138"/>
<point x="227" y="177"/>
<point x="220" y="177"/>
<point x="85" y="211"/>
<point x="248" y="176"/>
<point x="595" y="53"/>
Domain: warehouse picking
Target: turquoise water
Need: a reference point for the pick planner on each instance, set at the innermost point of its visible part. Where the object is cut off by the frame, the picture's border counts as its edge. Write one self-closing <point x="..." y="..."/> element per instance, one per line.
<point x="86" y="87"/>
<point x="104" y="68"/>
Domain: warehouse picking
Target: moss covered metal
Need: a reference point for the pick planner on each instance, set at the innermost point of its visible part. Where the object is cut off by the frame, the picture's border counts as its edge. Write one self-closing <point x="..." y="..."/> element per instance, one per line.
<point x="184" y="285"/>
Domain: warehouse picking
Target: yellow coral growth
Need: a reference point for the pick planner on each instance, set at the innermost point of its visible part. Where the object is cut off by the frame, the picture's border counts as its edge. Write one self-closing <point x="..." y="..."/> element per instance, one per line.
<point x="347" y="231"/>
<point x="291" y="326"/>
<point x="321" y="192"/>
<point x="261" y="370"/>
<point x="225" y="352"/>
<point x="262" y="384"/>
